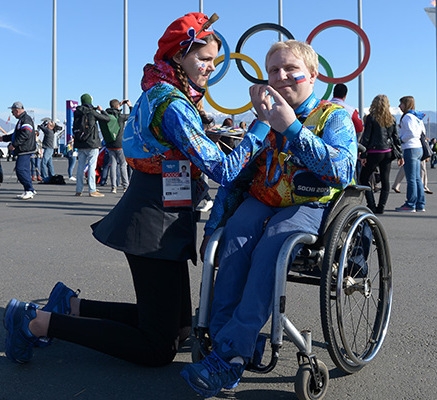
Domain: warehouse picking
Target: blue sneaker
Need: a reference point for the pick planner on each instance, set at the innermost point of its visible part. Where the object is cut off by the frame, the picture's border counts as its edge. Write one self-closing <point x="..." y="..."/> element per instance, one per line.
<point x="212" y="374"/>
<point x="59" y="299"/>
<point x="59" y="302"/>
<point x="19" y="340"/>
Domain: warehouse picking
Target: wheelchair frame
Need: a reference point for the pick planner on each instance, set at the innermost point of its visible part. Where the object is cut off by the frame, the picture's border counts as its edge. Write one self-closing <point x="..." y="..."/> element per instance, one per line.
<point x="355" y="295"/>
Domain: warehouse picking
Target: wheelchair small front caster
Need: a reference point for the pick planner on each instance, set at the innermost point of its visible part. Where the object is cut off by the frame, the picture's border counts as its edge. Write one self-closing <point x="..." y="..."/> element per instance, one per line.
<point x="305" y="385"/>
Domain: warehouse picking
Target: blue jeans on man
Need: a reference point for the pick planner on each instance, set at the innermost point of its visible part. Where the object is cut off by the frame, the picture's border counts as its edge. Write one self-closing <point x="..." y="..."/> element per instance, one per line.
<point x="86" y="157"/>
<point x="47" y="169"/>
<point x="117" y="159"/>
<point x="243" y="292"/>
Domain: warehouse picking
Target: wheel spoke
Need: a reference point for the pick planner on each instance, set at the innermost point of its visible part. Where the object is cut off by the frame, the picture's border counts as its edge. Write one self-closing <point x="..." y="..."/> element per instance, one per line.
<point x="357" y="290"/>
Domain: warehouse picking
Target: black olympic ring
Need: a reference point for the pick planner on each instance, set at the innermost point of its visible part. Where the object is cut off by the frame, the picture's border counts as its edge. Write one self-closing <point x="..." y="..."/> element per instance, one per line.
<point x="246" y="35"/>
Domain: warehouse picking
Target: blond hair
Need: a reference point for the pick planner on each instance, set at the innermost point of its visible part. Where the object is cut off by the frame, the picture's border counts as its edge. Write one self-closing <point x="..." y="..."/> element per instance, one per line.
<point x="380" y="111"/>
<point x="300" y="50"/>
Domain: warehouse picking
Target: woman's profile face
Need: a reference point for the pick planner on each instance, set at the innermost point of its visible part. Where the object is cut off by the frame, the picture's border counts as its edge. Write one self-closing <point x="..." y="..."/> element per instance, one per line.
<point x="402" y="107"/>
<point x="198" y="64"/>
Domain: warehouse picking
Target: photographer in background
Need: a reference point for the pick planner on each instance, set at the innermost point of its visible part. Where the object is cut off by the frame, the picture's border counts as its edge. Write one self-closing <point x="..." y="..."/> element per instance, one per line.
<point x="115" y="150"/>
<point x="47" y="169"/>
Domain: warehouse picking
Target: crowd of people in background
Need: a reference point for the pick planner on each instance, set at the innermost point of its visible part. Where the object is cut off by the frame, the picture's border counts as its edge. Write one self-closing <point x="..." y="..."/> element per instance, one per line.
<point x="103" y="161"/>
<point x="25" y="144"/>
<point x="296" y="138"/>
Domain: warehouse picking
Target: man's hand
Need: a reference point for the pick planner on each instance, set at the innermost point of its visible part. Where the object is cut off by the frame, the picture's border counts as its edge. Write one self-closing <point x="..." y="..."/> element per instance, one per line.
<point x="279" y="114"/>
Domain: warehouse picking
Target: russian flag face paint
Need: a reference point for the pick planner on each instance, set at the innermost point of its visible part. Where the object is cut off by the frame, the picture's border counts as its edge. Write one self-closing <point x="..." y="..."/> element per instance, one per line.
<point x="299" y="77"/>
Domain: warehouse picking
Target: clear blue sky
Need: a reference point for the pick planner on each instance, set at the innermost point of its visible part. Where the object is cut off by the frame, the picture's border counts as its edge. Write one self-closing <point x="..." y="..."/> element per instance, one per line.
<point x="90" y="47"/>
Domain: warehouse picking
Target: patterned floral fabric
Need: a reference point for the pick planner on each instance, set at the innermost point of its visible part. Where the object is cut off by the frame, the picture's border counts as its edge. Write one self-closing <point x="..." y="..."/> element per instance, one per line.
<point x="170" y="127"/>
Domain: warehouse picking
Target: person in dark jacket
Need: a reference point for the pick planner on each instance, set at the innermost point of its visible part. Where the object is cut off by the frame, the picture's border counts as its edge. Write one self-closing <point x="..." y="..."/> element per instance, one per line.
<point x="383" y="145"/>
<point x="23" y="145"/>
<point x="88" y="150"/>
<point x="115" y="150"/>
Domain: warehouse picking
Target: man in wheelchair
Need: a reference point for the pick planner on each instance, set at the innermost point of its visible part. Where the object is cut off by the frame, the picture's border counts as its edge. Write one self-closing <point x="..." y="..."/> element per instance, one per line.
<point x="309" y="156"/>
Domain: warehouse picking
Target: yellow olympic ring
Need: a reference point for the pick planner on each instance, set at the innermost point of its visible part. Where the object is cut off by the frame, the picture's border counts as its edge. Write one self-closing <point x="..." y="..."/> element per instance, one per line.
<point x="248" y="106"/>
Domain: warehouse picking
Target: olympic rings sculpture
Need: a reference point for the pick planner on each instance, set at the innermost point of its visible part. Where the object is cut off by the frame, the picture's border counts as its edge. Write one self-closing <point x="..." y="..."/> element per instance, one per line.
<point x="239" y="58"/>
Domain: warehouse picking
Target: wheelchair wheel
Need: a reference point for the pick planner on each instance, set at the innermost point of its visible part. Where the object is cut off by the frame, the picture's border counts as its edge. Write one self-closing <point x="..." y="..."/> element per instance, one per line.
<point x="305" y="386"/>
<point x="356" y="288"/>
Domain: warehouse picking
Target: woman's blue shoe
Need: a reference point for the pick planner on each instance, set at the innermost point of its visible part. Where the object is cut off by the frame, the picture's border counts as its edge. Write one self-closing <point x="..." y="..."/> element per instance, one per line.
<point x="59" y="302"/>
<point x="19" y="340"/>
<point x="59" y="299"/>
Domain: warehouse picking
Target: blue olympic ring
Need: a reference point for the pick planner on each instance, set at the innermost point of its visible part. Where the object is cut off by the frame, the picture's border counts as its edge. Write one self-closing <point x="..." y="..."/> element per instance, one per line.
<point x="226" y="62"/>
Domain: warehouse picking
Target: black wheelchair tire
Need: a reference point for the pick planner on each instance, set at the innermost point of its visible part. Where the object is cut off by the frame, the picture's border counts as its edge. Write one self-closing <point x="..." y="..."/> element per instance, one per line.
<point x="352" y="355"/>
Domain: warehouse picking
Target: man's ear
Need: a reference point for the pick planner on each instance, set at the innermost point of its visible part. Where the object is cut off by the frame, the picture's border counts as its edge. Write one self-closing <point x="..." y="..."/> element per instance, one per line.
<point x="313" y="77"/>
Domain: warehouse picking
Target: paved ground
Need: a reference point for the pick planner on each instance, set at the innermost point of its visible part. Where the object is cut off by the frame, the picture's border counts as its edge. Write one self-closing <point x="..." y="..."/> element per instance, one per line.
<point x="49" y="239"/>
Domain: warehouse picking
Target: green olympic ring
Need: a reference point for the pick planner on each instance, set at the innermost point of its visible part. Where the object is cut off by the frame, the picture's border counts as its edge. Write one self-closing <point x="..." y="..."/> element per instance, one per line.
<point x="328" y="70"/>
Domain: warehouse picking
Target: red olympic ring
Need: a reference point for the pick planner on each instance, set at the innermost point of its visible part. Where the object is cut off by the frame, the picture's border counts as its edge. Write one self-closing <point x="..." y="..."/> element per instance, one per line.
<point x="362" y="35"/>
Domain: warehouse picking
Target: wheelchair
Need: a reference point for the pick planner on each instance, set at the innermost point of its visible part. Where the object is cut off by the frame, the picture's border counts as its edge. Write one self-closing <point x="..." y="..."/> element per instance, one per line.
<point x="350" y="262"/>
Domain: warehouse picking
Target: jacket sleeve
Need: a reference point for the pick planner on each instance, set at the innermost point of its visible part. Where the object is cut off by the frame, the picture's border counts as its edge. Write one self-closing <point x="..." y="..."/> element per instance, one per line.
<point x="182" y="127"/>
<point x="332" y="157"/>
<point x="101" y="116"/>
<point x="358" y="123"/>
<point x="7" y="138"/>
<point x="123" y="117"/>
<point x="365" y="138"/>
<point x="395" y="138"/>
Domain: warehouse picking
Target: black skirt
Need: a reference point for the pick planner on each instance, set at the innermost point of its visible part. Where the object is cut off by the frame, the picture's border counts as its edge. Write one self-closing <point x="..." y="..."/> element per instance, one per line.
<point x="140" y="225"/>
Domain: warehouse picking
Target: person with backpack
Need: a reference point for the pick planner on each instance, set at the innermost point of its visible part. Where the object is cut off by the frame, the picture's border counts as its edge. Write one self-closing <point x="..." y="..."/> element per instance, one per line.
<point x="87" y="142"/>
<point x="112" y="132"/>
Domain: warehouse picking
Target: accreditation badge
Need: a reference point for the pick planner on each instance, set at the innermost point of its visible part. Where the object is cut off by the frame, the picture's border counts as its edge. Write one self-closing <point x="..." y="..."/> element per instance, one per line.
<point x="176" y="183"/>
